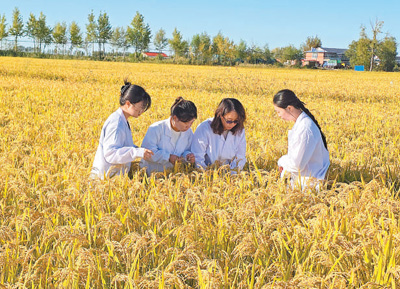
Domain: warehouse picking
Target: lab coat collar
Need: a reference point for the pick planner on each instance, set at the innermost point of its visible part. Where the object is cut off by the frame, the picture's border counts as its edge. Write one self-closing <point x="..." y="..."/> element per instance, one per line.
<point x="168" y="128"/>
<point x="302" y="116"/>
<point x="121" y="114"/>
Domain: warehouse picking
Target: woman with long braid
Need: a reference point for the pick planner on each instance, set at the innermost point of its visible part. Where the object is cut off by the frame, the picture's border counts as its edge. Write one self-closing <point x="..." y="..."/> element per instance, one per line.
<point x="307" y="160"/>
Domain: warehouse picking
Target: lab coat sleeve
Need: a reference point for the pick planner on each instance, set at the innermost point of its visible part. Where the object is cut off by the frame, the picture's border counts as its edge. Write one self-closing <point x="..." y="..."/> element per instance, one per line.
<point x="151" y="141"/>
<point x="114" y="151"/>
<point x="189" y="144"/>
<point x="300" y="152"/>
<point x="240" y="158"/>
<point x="199" y="146"/>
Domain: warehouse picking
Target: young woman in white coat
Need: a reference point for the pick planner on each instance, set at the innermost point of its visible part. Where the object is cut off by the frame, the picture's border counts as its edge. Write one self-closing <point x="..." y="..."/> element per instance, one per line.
<point x="222" y="139"/>
<point x="116" y="150"/>
<point x="170" y="139"/>
<point x="307" y="160"/>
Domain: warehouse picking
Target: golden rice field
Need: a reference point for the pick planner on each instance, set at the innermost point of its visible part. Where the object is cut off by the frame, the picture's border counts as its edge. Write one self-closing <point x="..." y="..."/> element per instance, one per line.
<point x="190" y="229"/>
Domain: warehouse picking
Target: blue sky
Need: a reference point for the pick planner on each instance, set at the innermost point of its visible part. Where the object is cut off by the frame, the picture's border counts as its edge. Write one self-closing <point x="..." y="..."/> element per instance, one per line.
<point x="276" y="23"/>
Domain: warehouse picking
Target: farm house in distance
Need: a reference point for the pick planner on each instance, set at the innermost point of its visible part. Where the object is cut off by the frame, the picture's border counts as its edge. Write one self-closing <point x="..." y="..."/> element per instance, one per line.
<point x="154" y="54"/>
<point x="326" y="57"/>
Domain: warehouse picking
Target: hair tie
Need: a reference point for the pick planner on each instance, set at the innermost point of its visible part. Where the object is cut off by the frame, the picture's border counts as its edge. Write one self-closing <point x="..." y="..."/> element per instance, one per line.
<point x="124" y="88"/>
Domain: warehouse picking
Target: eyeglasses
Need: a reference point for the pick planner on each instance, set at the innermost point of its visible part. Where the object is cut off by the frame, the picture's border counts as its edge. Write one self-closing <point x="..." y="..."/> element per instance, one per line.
<point x="231" y="121"/>
<point x="139" y="108"/>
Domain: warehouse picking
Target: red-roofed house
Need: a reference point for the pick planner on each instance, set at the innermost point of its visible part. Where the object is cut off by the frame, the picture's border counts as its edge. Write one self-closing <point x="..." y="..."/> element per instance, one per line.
<point x="154" y="54"/>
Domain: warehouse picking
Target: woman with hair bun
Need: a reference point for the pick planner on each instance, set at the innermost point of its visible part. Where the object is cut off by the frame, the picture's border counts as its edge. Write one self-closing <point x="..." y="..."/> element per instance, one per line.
<point x="170" y="139"/>
<point x="307" y="160"/>
<point x="116" y="150"/>
<point x="222" y="139"/>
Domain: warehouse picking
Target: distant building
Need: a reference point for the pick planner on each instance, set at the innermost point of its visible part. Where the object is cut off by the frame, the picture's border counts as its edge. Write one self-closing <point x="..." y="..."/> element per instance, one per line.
<point x="154" y="54"/>
<point x="325" y="57"/>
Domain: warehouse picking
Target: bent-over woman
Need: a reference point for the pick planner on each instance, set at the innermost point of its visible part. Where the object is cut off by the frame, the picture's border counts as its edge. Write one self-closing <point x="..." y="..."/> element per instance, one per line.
<point x="170" y="139"/>
<point x="307" y="160"/>
<point x="116" y="150"/>
<point x="222" y="139"/>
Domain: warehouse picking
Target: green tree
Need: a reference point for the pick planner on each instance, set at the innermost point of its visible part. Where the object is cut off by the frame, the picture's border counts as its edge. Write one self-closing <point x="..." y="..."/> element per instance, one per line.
<point x="367" y="51"/>
<point x="358" y="51"/>
<point x="201" y="48"/>
<point x="91" y="31"/>
<point x="160" y="41"/>
<point x="3" y="30"/>
<point x="267" y="54"/>
<point x="119" y="39"/>
<point x="311" y="42"/>
<point x="223" y="49"/>
<point x="287" y="53"/>
<point x="205" y="48"/>
<point x="75" y="35"/>
<point x="32" y="29"/>
<point x="104" y="31"/>
<point x="179" y="46"/>
<point x="17" y="28"/>
<point x="60" y="35"/>
<point x="256" y="54"/>
<point x="376" y="30"/>
<point x="195" y="46"/>
<point x="139" y="34"/>
<point x="241" y="51"/>
<point x="43" y="32"/>
<point x="387" y="52"/>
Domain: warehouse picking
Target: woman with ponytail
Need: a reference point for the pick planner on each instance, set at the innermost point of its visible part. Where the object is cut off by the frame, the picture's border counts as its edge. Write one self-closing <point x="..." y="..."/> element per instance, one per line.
<point x="116" y="150"/>
<point x="307" y="160"/>
<point x="170" y="139"/>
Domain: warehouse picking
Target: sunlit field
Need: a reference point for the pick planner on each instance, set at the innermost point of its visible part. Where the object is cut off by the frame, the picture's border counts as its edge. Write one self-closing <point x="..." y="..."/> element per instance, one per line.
<point x="191" y="229"/>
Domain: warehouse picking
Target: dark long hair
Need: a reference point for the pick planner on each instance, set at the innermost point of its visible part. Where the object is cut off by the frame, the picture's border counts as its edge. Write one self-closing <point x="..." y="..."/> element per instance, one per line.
<point x="134" y="94"/>
<point x="184" y="110"/>
<point x="227" y="105"/>
<point x="286" y="97"/>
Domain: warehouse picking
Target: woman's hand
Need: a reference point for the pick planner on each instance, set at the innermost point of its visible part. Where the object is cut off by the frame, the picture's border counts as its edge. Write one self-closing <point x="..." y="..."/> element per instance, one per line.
<point x="190" y="158"/>
<point x="280" y="169"/>
<point x="147" y="154"/>
<point x="174" y="158"/>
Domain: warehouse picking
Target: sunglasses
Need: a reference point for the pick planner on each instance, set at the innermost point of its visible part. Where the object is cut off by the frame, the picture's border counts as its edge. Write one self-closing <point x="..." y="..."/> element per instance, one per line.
<point x="231" y="121"/>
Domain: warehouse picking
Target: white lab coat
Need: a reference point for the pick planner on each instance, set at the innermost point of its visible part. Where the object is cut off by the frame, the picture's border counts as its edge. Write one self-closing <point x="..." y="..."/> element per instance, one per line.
<point x="307" y="159"/>
<point x="116" y="150"/>
<point x="159" y="140"/>
<point x="209" y="147"/>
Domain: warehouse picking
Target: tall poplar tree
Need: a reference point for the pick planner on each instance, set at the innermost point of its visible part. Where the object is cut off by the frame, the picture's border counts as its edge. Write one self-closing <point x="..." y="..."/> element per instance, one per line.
<point x="160" y="41"/>
<point x="376" y="30"/>
<point x="139" y="33"/>
<point x="32" y="29"/>
<point x="119" y="39"/>
<point x="17" y="28"/>
<point x="44" y="32"/>
<point x="91" y="31"/>
<point x="60" y="35"/>
<point x="3" y="30"/>
<point x="104" y="31"/>
<point x="75" y="35"/>
<point x="177" y="44"/>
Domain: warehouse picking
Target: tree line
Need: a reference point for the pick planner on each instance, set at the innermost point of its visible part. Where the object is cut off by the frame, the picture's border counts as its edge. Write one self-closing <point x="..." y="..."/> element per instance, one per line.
<point x="70" y="40"/>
